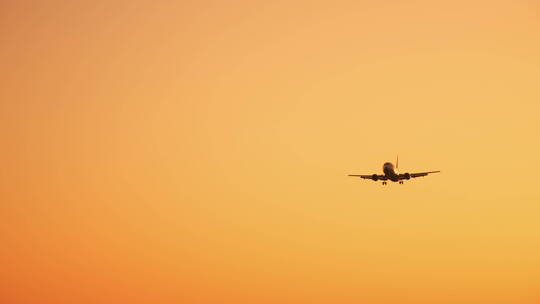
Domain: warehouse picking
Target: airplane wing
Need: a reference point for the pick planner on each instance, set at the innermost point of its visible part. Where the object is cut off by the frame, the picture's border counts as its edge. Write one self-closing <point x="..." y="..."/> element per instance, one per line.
<point x="419" y="174"/>
<point x="378" y="177"/>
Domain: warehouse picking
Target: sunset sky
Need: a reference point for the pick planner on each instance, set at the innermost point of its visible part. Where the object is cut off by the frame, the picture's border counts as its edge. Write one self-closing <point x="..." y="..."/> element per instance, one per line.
<point x="198" y="152"/>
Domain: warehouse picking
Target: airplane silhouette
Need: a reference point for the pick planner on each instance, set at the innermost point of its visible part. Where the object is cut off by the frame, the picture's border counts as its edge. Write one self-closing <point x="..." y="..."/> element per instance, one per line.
<point x="390" y="173"/>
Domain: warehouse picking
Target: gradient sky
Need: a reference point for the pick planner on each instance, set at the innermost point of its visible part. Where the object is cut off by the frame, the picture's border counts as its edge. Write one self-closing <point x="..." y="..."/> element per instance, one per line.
<point x="197" y="152"/>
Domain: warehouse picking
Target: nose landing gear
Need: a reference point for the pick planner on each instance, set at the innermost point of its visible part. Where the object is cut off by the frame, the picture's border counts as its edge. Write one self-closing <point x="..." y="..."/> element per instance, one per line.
<point x="384" y="183"/>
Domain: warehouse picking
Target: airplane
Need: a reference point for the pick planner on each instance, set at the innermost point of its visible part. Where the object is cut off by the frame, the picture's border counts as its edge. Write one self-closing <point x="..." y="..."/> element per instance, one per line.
<point x="390" y="173"/>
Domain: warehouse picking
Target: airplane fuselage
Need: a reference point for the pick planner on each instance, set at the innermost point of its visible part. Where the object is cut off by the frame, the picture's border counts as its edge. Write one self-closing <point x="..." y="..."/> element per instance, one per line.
<point x="390" y="173"/>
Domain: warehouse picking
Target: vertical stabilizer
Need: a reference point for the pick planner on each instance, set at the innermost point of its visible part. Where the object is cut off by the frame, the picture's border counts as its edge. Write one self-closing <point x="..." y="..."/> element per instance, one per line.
<point x="397" y="162"/>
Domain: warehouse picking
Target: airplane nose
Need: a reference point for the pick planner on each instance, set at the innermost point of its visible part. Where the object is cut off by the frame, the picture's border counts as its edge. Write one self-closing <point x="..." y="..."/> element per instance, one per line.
<point x="388" y="165"/>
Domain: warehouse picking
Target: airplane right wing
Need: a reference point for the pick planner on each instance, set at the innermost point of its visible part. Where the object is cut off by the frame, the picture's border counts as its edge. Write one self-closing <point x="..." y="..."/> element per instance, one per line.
<point x="374" y="177"/>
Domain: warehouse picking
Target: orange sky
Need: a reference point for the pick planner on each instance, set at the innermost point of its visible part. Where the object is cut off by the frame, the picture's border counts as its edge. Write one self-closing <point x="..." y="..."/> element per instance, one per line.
<point x="197" y="152"/>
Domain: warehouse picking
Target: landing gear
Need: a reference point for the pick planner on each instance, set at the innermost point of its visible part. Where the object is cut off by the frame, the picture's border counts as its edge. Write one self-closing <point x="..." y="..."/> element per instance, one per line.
<point x="401" y="182"/>
<point x="384" y="183"/>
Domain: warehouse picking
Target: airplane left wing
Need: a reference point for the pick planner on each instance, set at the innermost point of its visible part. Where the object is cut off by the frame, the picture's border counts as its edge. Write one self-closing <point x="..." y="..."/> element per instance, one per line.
<point x="419" y="174"/>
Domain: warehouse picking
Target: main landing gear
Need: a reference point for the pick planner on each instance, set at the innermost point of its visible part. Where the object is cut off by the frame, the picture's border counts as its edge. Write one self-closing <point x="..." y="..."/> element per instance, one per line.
<point x="385" y="183"/>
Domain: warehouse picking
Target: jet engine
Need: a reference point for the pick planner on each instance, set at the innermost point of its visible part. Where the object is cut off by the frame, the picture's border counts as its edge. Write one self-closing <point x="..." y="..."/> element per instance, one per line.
<point x="374" y="177"/>
<point x="407" y="176"/>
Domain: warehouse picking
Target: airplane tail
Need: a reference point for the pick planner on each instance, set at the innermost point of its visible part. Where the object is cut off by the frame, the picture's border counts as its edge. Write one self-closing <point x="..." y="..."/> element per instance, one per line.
<point x="397" y="162"/>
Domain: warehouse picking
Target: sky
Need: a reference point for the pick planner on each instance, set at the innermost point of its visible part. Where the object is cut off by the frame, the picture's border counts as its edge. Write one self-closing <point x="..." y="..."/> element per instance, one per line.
<point x="198" y="151"/>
